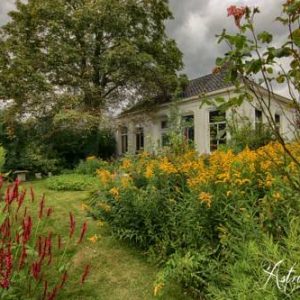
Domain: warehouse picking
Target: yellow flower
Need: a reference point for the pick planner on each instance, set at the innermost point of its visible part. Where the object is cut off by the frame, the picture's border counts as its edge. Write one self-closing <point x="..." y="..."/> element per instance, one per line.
<point x="206" y="198"/>
<point x="242" y="181"/>
<point x="115" y="192"/>
<point x="277" y="196"/>
<point x="149" y="171"/>
<point x="93" y="238"/>
<point x="125" y="181"/>
<point x="158" y="288"/>
<point x="105" y="176"/>
<point x="167" y="166"/>
<point x="126" y="164"/>
<point x="100" y="223"/>
<point x="91" y="157"/>
<point x="269" y="180"/>
<point x="84" y="207"/>
<point x="104" y="206"/>
<point x="229" y="193"/>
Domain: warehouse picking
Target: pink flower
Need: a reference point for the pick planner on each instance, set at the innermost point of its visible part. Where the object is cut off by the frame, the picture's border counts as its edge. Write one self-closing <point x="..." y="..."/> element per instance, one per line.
<point x="27" y="226"/>
<point x="36" y="270"/>
<point x="237" y="13"/>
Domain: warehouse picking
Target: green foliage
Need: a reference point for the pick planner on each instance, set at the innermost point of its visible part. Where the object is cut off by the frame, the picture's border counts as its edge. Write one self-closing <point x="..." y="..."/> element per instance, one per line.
<point x="85" y="54"/>
<point x="205" y="228"/>
<point x="52" y="144"/>
<point x="72" y="182"/>
<point x="255" y="62"/>
<point x="90" y="166"/>
<point x="34" y="265"/>
<point x="2" y="158"/>
<point x="243" y="134"/>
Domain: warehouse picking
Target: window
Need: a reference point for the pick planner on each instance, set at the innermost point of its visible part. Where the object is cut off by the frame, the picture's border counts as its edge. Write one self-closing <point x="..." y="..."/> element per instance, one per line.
<point x="139" y="139"/>
<point x="124" y="139"/>
<point x="217" y="126"/>
<point x="188" y="128"/>
<point x="277" y="122"/>
<point x="164" y="125"/>
<point x="165" y="139"/>
<point x="258" y="119"/>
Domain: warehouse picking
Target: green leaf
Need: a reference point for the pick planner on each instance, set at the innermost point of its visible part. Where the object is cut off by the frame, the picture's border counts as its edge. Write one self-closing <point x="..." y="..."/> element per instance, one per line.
<point x="296" y="37"/>
<point x="265" y="37"/>
<point x="282" y="52"/>
<point x="280" y="79"/>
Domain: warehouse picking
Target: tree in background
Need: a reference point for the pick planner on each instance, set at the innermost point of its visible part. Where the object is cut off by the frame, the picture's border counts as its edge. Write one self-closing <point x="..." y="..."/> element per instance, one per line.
<point x="85" y="54"/>
<point x="51" y="145"/>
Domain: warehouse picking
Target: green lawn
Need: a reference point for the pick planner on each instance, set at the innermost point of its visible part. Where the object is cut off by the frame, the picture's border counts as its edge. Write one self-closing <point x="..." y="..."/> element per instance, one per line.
<point x="118" y="271"/>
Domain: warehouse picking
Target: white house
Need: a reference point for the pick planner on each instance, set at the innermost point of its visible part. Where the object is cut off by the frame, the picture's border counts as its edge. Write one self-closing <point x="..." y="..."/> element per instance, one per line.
<point x="144" y="128"/>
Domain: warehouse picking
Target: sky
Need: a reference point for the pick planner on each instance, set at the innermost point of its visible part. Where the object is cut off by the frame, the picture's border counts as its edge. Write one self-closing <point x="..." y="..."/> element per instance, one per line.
<point x="195" y="25"/>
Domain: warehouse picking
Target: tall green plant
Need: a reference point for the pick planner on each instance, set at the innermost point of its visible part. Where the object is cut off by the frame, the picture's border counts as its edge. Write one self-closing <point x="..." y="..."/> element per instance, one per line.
<point x="2" y="158"/>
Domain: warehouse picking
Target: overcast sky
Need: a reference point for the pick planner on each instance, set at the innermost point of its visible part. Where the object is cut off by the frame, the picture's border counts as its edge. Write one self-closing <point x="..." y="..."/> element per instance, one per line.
<point x="195" y="24"/>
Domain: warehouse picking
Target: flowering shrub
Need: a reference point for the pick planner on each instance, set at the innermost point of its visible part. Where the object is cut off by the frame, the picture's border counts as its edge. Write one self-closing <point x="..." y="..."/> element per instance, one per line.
<point x="194" y="214"/>
<point x="90" y="165"/>
<point x="33" y="262"/>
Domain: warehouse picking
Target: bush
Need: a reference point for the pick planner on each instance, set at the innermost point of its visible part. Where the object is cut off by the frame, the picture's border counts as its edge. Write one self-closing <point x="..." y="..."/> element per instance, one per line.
<point x="196" y="215"/>
<point x="90" y="166"/>
<point x="72" y="182"/>
<point x="243" y="134"/>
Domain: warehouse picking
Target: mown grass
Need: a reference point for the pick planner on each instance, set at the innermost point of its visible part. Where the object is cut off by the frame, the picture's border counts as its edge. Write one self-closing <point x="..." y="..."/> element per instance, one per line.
<point x="117" y="270"/>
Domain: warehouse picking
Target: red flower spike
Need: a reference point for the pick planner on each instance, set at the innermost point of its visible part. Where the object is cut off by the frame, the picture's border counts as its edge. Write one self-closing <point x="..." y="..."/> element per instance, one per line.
<point x="36" y="270"/>
<point x="25" y="211"/>
<point x="22" y="257"/>
<point x="6" y="266"/>
<point x="63" y="280"/>
<point x="85" y="274"/>
<point x="1" y="181"/>
<point x="42" y="205"/>
<point x="45" y="289"/>
<point x="32" y="194"/>
<point x="49" y="211"/>
<point x="72" y="224"/>
<point x="83" y="231"/>
<point x="53" y="294"/>
<point x="59" y="242"/>
<point x="27" y="227"/>
<point x="21" y="199"/>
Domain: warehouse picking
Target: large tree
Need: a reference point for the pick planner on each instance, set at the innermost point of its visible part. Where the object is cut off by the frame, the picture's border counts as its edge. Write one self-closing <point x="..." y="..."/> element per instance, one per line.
<point x="84" y="54"/>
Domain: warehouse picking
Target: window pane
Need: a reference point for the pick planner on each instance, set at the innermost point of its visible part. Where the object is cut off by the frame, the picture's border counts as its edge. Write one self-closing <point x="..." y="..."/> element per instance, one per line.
<point x="164" y="124"/>
<point x="217" y="127"/>
<point x="217" y="116"/>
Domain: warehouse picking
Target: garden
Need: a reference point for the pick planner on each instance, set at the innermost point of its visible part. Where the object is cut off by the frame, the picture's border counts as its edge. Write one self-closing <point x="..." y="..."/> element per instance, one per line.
<point x="170" y="224"/>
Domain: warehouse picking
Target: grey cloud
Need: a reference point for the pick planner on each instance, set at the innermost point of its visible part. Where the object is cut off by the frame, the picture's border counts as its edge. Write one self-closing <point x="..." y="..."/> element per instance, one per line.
<point x="196" y="24"/>
<point x="5" y="7"/>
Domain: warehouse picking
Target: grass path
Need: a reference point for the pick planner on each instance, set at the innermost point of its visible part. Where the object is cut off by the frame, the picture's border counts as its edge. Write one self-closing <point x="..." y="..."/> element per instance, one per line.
<point x="118" y="272"/>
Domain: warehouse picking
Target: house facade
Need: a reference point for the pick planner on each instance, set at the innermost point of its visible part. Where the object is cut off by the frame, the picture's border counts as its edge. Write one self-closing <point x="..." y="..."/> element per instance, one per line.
<point x="147" y="129"/>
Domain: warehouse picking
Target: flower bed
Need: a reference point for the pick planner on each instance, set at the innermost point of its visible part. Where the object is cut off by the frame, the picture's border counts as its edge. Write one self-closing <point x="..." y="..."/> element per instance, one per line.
<point x="208" y="220"/>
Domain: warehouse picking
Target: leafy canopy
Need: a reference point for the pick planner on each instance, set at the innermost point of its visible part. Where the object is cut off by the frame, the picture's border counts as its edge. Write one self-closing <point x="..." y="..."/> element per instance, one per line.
<point x="86" y="53"/>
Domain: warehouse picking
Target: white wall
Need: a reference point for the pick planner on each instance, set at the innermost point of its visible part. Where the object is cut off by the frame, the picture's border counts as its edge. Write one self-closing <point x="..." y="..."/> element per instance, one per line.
<point x="151" y="121"/>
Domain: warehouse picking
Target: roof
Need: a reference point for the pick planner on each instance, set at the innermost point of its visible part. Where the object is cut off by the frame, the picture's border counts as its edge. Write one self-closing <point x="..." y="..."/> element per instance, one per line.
<point x="202" y="85"/>
<point x="206" y="84"/>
